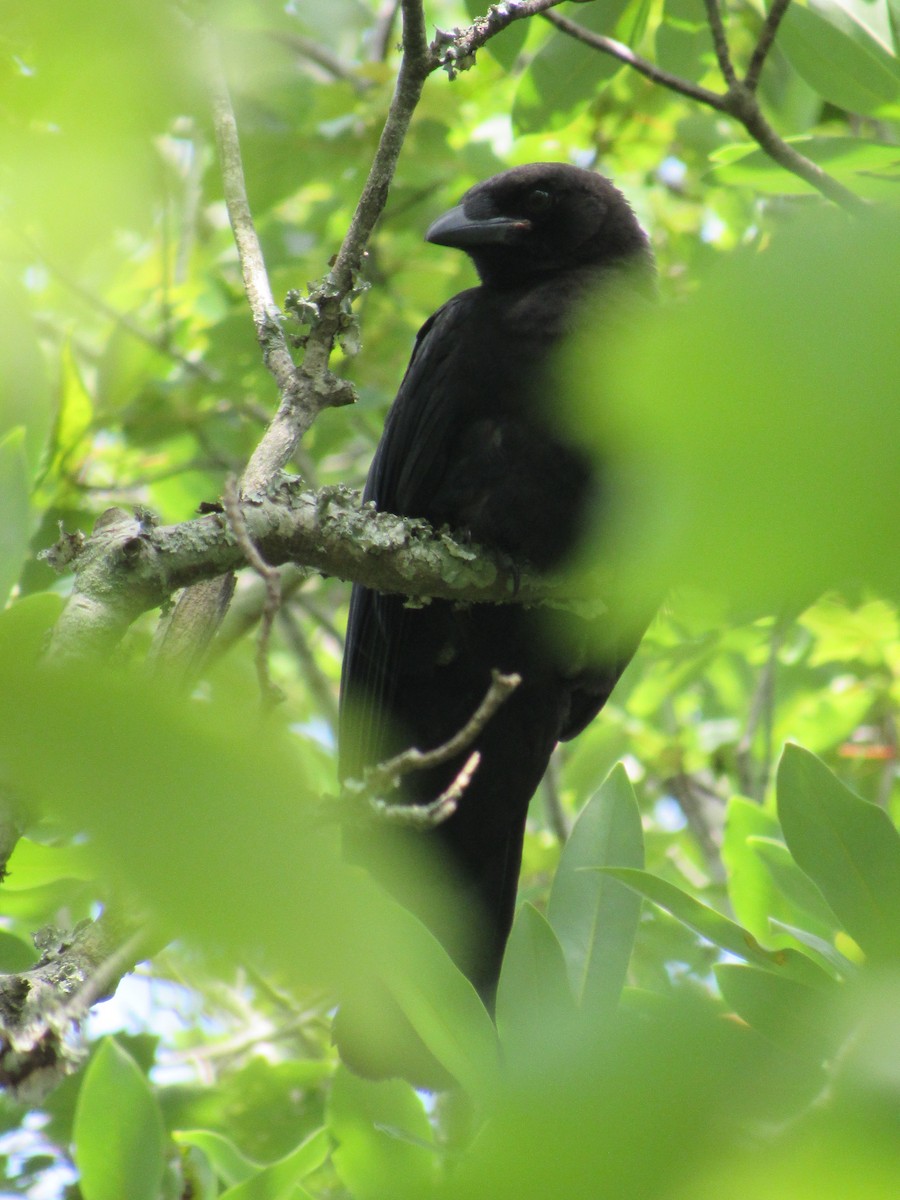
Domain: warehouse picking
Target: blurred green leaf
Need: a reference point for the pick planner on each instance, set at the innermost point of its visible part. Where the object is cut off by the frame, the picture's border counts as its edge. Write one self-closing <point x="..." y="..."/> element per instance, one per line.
<point x="731" y="425"/>
<point x="868" y="168"/>
<point x="15" y="501"/>
<point x="385" y="1144"/>
<point x="847" y="846"/>
<point x="120" y="1159"/>
<point x="279" y="1180"/>
<point x="15" y="954"/>
<point x="719" y="930"/>
<point x="794" y="886"/>
<point x="786" y="1012"/>
<point x="229" y="1164"/>
<point x="593" y="916"/>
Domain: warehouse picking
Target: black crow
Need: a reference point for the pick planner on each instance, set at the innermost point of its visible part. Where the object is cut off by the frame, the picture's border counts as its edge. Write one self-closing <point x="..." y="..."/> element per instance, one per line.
<point x="472" y="443"/>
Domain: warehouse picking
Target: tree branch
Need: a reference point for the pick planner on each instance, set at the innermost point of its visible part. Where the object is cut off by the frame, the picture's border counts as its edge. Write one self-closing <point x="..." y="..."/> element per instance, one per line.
<point x="720" y="41"/>
<point x="384" y="777"/>
<point x="41" y="1009"/>
<point x="130" y="565"/>
<point x="455" y="51"/>
<point x="765" y="43"/>
<point x="739" y="102"/>
<point x="624" y="54"/>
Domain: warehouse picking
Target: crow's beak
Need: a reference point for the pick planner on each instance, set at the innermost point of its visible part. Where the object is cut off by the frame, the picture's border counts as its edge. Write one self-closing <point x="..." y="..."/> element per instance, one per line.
<point x="454" y="228"/>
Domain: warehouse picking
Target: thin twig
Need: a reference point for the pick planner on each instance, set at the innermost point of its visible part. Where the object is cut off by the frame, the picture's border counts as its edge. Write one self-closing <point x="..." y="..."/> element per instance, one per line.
<point x="765" y="43"/>
<point x="315" y="680"/>
<point x="556" y="816"/>
<point x="739" y="102"/>
<point x="625" y="54"/>
<point x="270" y="577"/>
<point x="385" y="776"/>
<point x="455" y="51"/>
<point x="720" y="41"/>
<point x="266" y="314"/>
<point x="754" y="783"/>
<point x="426" y="816"/>
<point x="384" y="29"/>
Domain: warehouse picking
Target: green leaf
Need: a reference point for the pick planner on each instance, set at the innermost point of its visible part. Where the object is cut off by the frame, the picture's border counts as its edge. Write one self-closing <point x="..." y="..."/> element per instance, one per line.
<point x="848" y="847"/>
<point x="870" y="169"/>
<point x="385" y="1143"/>
<point x="787" y="1012"/>
<point x="279" y="1180"/>
<point x="443" y="1008"/>
<point x="594" y="918"/>
<point x="227" y="1161"/>
<point x="845" y="50"/>
<point x="841" y="966"/>
<point x="534" y="985"/>
<point x="795" y="887"/>
<point x="565" y="73"/>
<point x="118" y="1133"/>
<point x="15" y="504"/>
<point x="719" y="930"/>
<point x="15" y="953"/>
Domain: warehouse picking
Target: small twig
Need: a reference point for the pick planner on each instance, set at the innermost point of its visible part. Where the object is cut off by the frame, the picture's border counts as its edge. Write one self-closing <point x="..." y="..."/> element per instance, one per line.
<point x="455" y="51"/>
<point x="384" y="29"/>
<point x="386" y="775"/>
<point x="765" y="43"/>
<point x="316" y="681"/>
<point x="625" y="54"/>
<point x="270" y="577"/>
<point x="322" y="57"/>
<point x="704" y="811"/>
<point x="739" y="102"/>
<point x="720" y="41"/>
<point x="426" y="816"/>
<point x="266" y="314"/>
<point x="754" y="783"/>
<point x="556" y="816"/>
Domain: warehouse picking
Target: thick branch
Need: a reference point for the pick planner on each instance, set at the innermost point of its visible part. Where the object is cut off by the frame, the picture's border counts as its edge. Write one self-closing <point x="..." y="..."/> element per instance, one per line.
<point x="42" y="1008"/>
<point x="129" y="565"/>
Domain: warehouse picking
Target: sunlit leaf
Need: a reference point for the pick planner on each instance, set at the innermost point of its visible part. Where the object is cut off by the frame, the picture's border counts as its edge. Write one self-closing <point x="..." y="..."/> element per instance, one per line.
<point x="718" y="929"/>
<point x="229" y="1164"/>
<point x="279" y="1180"/>
<point x="847" y="846"/>
<point x="120" y="1159"/>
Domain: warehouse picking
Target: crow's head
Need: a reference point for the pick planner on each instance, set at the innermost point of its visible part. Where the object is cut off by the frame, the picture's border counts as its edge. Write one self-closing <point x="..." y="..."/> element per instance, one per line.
<point x="541" y="218"/>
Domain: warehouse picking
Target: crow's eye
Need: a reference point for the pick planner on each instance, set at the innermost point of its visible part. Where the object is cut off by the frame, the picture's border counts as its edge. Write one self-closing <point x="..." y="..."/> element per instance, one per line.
<point x="537" y="202"/>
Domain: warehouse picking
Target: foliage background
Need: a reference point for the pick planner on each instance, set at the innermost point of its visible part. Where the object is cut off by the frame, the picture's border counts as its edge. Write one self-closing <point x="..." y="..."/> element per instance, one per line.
<point x="756" y="442"/>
